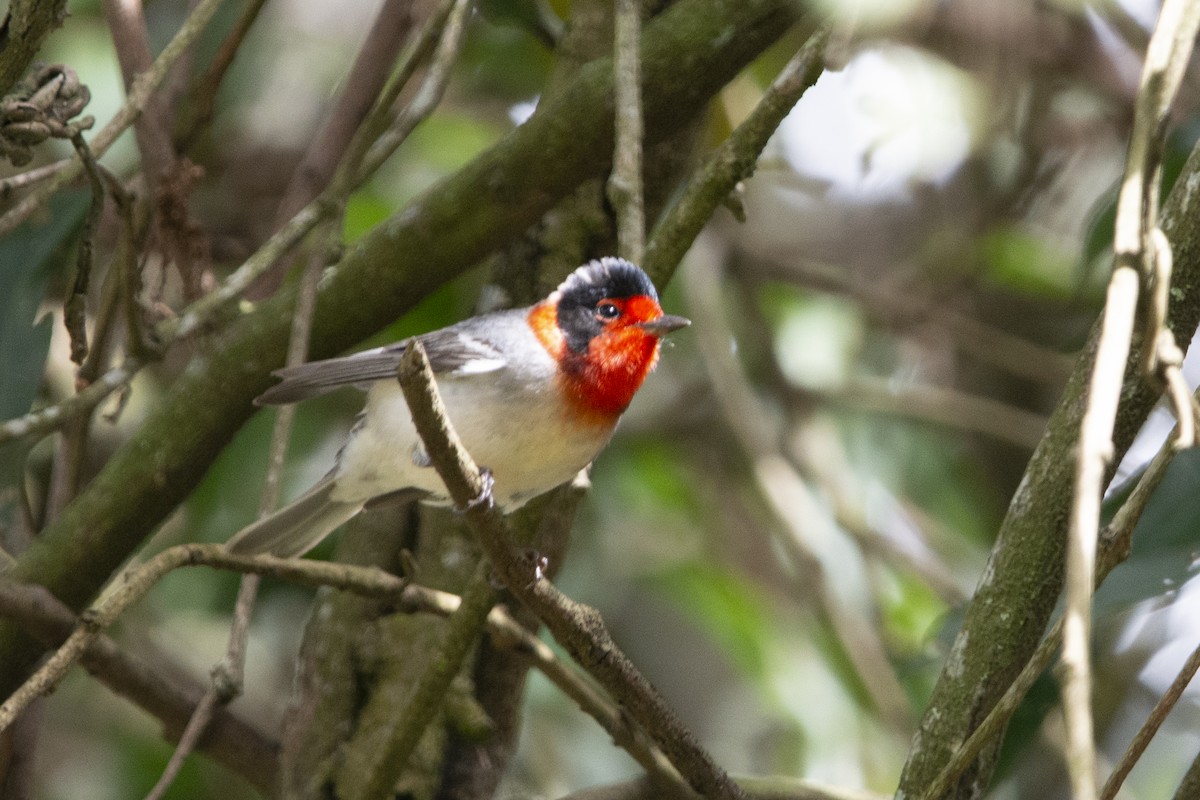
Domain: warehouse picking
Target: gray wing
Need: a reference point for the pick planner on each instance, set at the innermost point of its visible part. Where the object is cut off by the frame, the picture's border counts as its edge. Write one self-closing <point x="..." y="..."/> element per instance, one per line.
<point x="455" y="350"/>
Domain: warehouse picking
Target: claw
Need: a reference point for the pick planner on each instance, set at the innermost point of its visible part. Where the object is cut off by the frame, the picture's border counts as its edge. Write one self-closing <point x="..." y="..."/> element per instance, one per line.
<point x="485" y="497"/>
<point x="539" y="564"/>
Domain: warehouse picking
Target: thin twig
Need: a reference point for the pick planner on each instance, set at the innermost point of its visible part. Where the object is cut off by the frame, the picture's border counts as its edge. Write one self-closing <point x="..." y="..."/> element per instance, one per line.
<point x="351" y="171"/>
<point x="47" y="419"/>
<point x="1150" y="726"/>
<point x="71" y="448"/>
<point x="367" y="77"/>
<point x="625" y="183"/>
<point x="75" y="307"/>
<point x="197" y="108"/>
<point x="427" y="97"/>
<point x="140" y="92"/>
<point x="113" y="293"/>
<point x="1135" y="256"/>
<point x="194" y="318"/>
<point x="29" y="177"/>
<point x="71" y="451"/>
<point x="578" y="628"/>
<point x="373" y="142"/>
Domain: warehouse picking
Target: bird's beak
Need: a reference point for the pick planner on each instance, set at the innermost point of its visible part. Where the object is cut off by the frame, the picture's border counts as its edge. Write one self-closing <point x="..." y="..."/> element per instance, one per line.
<point x="665" y="324"/>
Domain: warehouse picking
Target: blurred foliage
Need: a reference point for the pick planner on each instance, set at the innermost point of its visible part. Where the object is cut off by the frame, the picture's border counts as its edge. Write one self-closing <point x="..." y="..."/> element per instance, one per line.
<point x="33" y="255"/>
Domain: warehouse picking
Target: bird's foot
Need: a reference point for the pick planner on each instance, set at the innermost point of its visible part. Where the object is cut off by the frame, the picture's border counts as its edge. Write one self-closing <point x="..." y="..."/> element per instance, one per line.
<point x="538" y="563"/>
<point x="485" y="498"/>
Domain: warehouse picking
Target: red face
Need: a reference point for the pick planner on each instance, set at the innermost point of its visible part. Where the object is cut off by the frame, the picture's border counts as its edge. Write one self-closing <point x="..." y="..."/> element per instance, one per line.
<point x="602" y="378"/>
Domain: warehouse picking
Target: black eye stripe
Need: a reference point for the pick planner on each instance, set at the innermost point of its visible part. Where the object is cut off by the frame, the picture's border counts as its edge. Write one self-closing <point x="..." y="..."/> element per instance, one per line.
<point x="580" y="296"/>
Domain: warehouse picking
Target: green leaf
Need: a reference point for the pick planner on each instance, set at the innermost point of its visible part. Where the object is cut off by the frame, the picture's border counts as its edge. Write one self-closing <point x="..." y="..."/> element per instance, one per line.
<point x="1166" y="541"/>
<point x="28" y="259"/>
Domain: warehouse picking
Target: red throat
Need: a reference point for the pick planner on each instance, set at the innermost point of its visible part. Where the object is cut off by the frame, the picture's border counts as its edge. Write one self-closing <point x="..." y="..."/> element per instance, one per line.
<point x="601" y="382"/>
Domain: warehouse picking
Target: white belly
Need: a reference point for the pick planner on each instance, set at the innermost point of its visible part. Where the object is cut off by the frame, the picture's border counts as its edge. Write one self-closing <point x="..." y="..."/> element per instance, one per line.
<point x="521" y="437"/>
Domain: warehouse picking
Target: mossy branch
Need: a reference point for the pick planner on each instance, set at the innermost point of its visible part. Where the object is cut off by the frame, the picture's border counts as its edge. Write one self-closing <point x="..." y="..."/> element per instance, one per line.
<point x="1024" y="575"/>
<point x="25" y="27"/>
<point x="688" y="53"/>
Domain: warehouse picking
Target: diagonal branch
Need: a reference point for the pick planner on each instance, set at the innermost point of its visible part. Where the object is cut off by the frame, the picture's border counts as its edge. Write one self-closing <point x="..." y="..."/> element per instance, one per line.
<point x="231" y="741"/>
<point x="578" y="628"/>
<point x="734" y="161"/>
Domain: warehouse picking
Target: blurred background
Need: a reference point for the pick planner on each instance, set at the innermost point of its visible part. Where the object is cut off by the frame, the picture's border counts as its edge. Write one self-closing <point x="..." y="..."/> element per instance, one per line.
<point x="799" y="503"/>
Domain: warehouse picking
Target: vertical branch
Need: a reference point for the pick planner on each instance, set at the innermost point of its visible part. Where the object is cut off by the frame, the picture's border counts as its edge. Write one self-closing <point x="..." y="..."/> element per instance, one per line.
<point x="625" y="183"/>
<point x="127" y="23"/>
<point x="1115" y="548"/>
<point x="1137" y="259"/>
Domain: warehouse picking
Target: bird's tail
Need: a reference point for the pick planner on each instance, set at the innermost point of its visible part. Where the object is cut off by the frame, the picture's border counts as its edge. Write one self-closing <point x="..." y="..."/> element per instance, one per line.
<point x="297" y="527"/>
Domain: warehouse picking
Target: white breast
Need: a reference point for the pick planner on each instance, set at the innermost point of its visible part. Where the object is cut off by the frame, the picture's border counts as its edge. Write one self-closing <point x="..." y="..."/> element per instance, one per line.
<point x="515" y="425"/>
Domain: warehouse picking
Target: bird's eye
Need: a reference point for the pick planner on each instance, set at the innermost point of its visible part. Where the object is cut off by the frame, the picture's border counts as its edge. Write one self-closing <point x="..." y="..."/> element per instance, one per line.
<point x="607" y="311"/>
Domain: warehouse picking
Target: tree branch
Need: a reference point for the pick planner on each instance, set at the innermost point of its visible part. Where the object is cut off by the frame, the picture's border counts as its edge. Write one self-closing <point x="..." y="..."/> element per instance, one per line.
<point x="231" y="740"/>
<point x="625" y="183"/>
<point x="1114" y="548"/>
<point x="734" y="161"/>
<point x="26" y="26"/>
<point x="1138" y="257"/>
<point x="688" y="53"/>
<point x="366" y="78"/>
<point x="140" y="92"/>
<point x="578" y="628"/>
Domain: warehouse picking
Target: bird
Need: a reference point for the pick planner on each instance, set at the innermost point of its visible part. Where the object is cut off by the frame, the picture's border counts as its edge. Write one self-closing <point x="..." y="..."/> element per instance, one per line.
<point x="534" y="394"/>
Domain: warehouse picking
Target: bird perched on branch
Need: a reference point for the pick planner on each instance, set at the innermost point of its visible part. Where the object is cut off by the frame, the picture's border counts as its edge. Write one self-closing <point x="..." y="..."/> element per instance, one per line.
<point x="533" y="393"/>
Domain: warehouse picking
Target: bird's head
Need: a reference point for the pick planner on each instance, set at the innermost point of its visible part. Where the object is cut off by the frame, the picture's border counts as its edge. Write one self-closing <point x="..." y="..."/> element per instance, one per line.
<point x="603" y="324"/>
